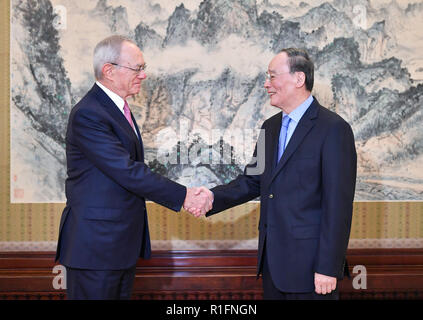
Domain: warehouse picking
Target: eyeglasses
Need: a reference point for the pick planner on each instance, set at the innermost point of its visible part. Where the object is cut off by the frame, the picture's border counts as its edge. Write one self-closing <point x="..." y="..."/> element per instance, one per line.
<point x="137" y="70"/>
<point x="272" y="76"/>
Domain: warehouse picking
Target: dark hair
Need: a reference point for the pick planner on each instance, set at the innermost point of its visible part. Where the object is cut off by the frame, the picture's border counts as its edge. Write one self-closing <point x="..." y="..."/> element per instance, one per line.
<point x="299" y="60"/>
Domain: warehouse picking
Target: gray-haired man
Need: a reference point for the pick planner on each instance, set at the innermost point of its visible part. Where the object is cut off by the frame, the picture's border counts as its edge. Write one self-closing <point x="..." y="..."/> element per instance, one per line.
<point x="104" y="228"/>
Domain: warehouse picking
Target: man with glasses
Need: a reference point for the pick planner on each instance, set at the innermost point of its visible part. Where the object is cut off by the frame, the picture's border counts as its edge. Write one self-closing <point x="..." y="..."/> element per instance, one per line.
<point x="104" y="227"/>
<point x="306" y="189"/>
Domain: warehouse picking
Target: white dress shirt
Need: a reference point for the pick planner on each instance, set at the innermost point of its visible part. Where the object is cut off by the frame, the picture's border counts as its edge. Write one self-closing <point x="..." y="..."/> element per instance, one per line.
<point x="119" y="102"/>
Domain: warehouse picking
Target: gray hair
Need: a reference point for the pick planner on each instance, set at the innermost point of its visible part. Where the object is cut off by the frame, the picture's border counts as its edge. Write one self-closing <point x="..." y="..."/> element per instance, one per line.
<point x="107" y="51"/>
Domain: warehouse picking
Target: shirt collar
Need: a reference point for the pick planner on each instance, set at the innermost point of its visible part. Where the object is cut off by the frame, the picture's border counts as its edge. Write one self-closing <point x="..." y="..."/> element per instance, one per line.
<point x="119" y="102"/>
<point x="299" y="111"/>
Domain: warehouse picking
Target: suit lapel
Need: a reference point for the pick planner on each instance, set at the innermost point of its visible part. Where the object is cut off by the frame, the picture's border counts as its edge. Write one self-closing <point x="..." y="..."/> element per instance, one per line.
<point x="117" y="115"/>
<point x="140" y="147"/>
<point x="272" y="134"/>
<point x="302" y="129"/>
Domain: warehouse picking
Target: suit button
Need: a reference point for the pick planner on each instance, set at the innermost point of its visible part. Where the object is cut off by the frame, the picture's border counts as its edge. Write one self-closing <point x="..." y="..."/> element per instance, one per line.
<point x="271" y="196"/>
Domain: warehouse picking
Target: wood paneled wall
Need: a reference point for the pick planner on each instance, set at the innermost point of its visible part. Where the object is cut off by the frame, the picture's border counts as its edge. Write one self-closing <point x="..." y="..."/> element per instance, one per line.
<point x="197" y="275"/>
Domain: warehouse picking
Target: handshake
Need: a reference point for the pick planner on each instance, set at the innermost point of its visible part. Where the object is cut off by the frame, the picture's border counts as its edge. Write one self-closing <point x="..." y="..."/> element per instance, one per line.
<point x="198" y="201"/>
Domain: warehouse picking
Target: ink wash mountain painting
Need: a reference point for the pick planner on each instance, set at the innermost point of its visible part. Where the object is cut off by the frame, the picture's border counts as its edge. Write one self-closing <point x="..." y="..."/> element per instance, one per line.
<point x="203" y="102"/>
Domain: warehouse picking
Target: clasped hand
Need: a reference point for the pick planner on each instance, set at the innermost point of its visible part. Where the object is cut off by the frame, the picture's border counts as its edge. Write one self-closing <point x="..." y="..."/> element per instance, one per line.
<point x="198" y="201"/>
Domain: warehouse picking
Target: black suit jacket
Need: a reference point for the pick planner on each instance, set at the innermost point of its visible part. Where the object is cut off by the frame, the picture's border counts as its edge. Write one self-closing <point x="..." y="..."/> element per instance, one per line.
<point x="104" y="224"/>
<point x="306" y="199"/>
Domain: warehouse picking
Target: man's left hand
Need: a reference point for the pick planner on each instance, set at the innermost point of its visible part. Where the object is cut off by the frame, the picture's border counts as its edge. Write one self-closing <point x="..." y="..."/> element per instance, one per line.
<point x="324" y="284"/>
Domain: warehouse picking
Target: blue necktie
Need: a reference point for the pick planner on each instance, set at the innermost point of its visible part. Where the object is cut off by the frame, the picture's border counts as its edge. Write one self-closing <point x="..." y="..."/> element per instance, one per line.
<point x="282" y="136"/>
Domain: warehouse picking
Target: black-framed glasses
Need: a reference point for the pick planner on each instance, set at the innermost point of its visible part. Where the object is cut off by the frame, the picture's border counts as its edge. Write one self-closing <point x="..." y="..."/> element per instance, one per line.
<point x="137" y="70"/>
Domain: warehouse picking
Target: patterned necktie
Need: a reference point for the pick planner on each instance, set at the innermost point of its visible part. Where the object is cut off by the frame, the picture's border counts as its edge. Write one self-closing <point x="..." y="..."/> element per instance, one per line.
<point x="282" y="136"/>
<point x="127" y="113"/>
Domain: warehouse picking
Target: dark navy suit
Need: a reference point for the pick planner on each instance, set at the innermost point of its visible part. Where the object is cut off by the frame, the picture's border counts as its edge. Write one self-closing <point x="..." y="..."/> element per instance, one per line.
<point x="306" y="199"/>
<point x="104" y="224"/>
